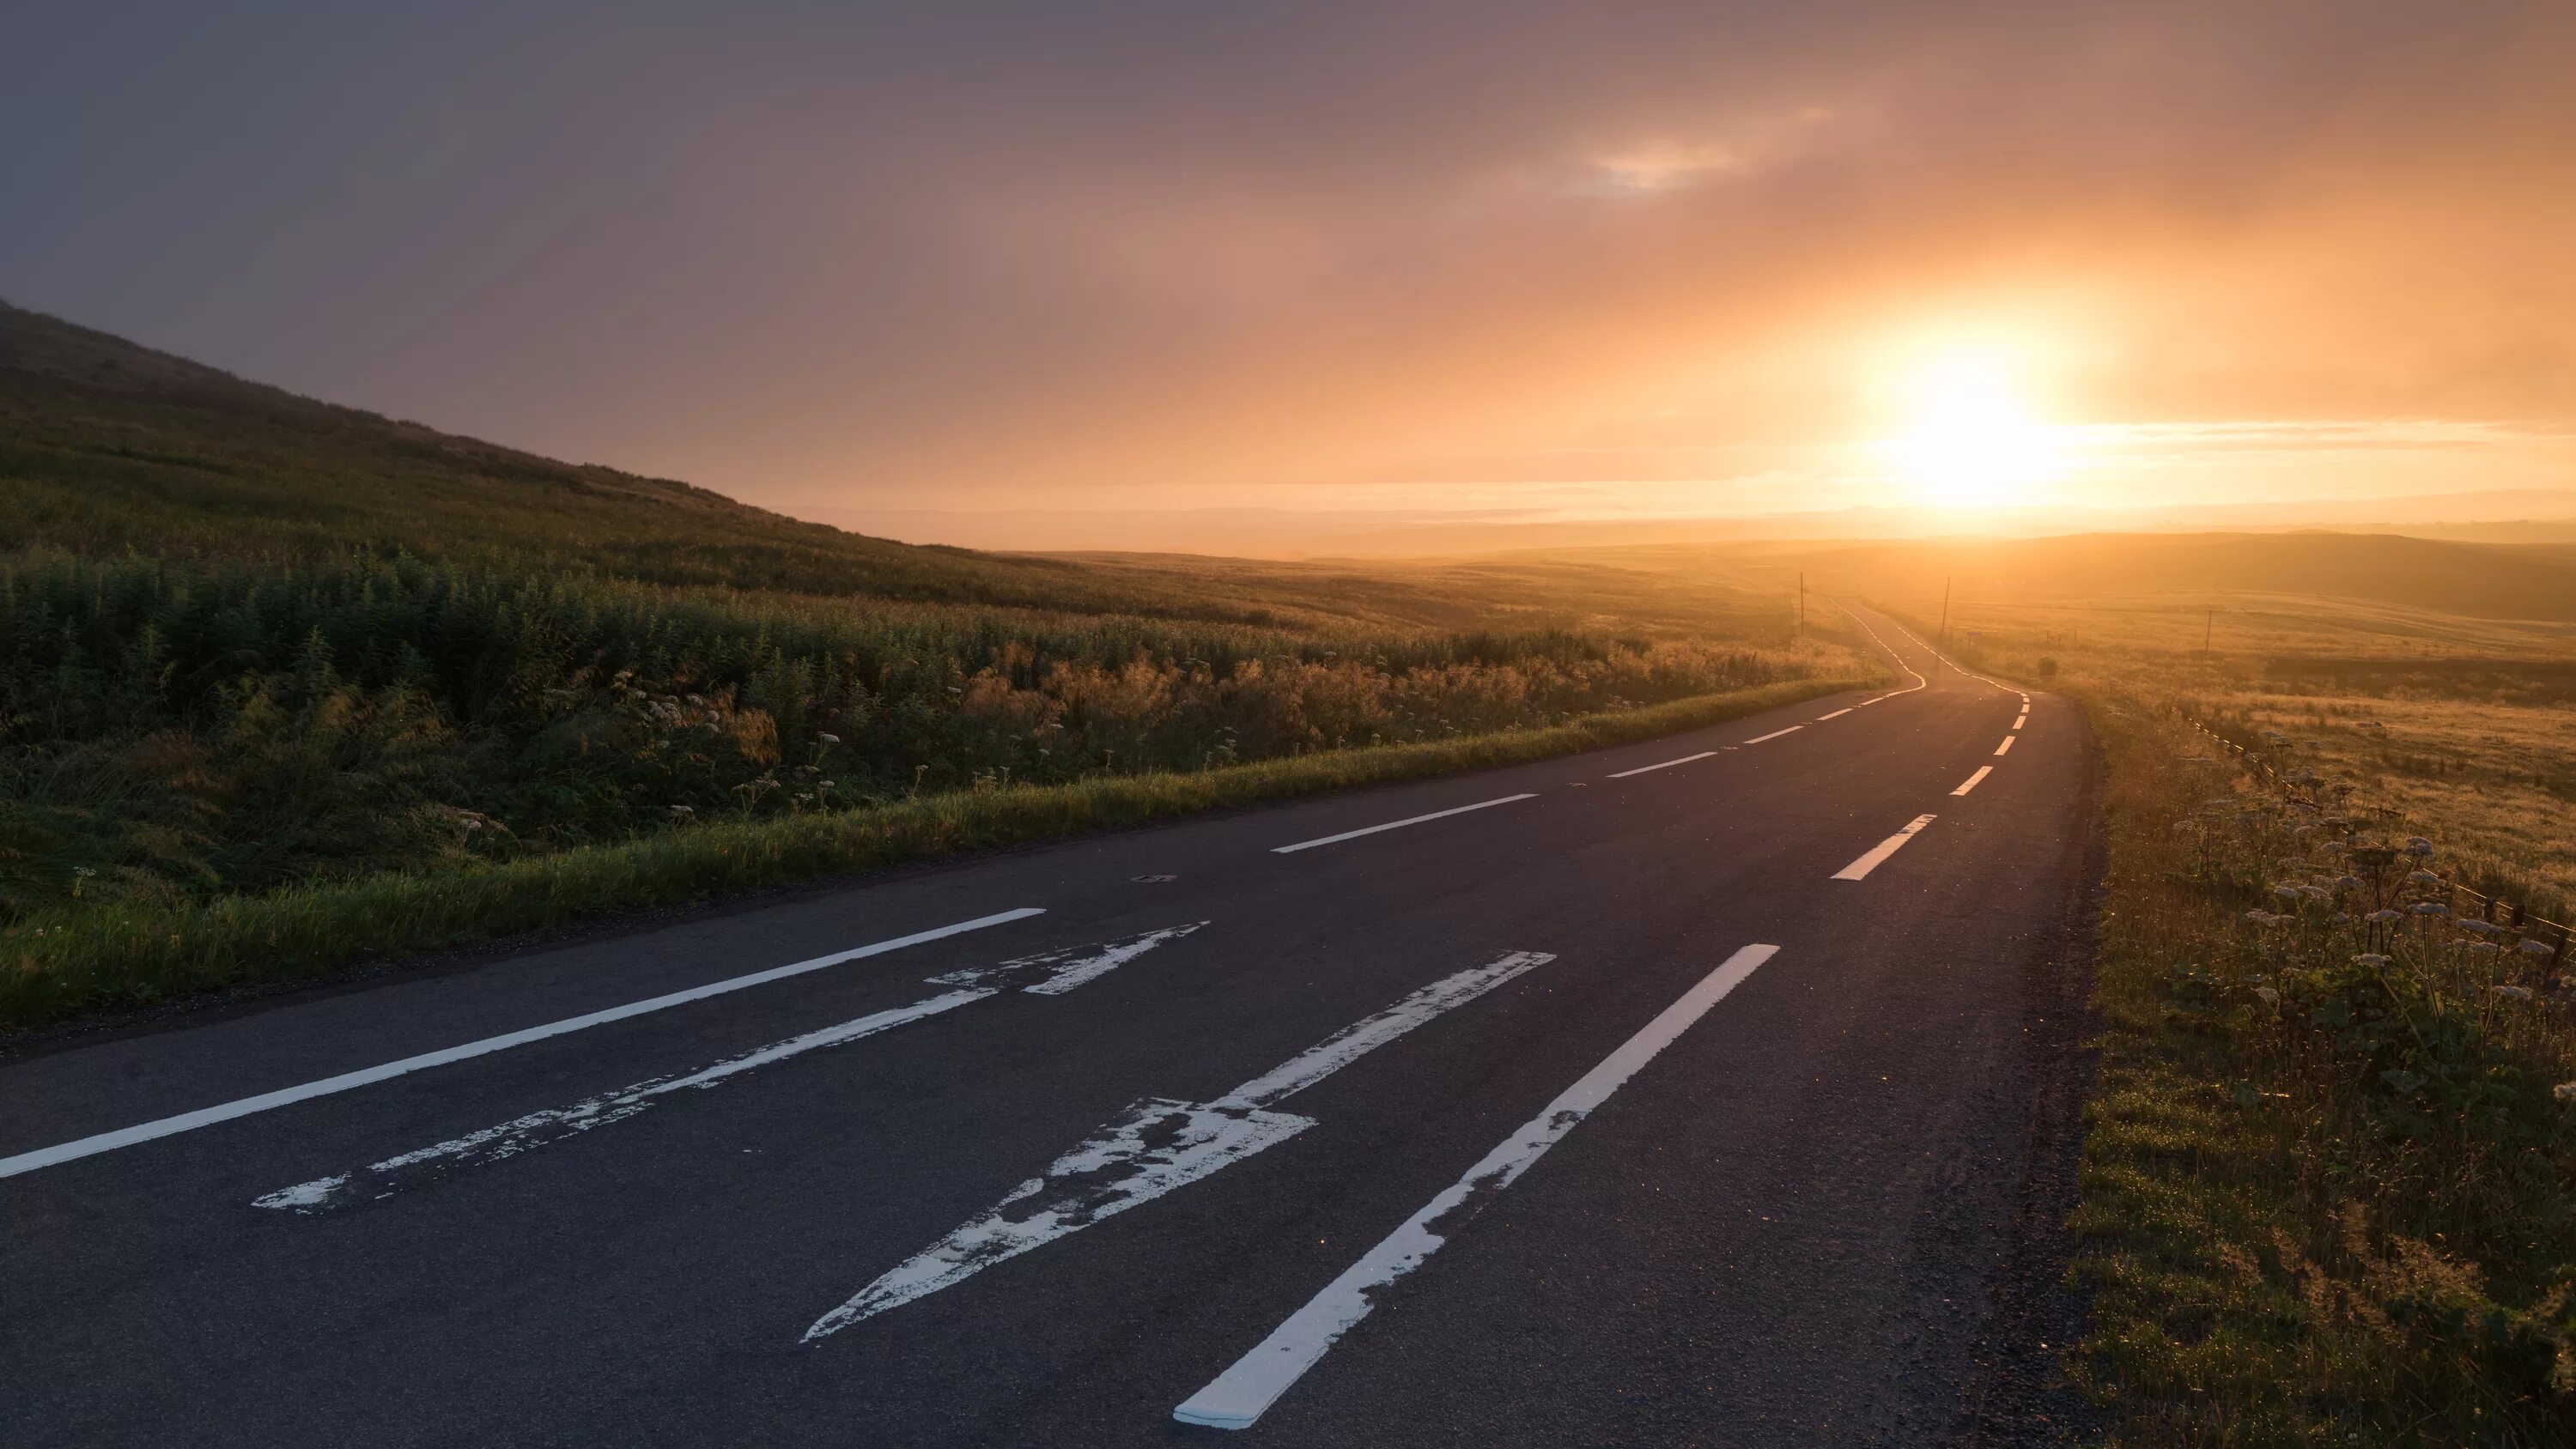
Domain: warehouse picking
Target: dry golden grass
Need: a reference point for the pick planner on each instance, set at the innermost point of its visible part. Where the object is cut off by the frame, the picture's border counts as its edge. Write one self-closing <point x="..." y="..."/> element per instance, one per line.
<point x="2465" y="727"/>
<point x="2329" y="1195"/>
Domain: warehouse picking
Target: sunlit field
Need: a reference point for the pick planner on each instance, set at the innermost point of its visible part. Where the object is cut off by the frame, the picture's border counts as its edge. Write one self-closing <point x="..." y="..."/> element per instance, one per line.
<point x="2325" y="1181"/>
<point x="2465" y="727"/>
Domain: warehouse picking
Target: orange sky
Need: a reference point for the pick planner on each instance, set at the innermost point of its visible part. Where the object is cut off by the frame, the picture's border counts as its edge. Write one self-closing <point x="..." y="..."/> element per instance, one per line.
<point x="981" y="274"/>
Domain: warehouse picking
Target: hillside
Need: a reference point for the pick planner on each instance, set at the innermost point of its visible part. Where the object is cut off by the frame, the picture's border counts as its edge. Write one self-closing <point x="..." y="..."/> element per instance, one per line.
<point x="106" y="446"/>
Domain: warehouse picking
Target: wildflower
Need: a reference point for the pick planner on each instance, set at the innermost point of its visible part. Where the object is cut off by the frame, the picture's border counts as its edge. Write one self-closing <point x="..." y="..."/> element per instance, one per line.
<point x="2270" y="996"/>
<point x="2422" y="877"/>
<point x="2347" y="882"/>
<point x="2564" y="1091"/>
<point x="2264" y="918"/>
<point x="825" y="785"/>
<point x="2518" y="993"/>
<point x="2418" y="845"/>
<point x="2484" y="948"/>
<point x="2431" y="908"/>
<point x="2286" y="892"/>
<point x="827" y="737"/>
<point x="683" y="810"/>
<point x="2483" y="928"/>
<point x="2384" y="915"/>
<point x="2371" y="959"/>
<point x="2532" y="947"/>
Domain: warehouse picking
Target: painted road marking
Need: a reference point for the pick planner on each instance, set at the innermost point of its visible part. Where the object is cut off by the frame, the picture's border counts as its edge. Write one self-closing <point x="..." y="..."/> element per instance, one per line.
<point x="1235" y="1398"/>
<point x="1775" y="734"/>
<point x="1982" y="772"/>
<point x="346" y="1081"/>
<point x="1837" y="714"/>
<point x="1919" y="681"/>
<point x="1668" y="764"/>
<point x="2006" y="746"/>
<point x="1397" y="824"/>
<point x="1160" y="1144"/>
<point x="1860" y="869"/>
<point x="1055" y="973"/>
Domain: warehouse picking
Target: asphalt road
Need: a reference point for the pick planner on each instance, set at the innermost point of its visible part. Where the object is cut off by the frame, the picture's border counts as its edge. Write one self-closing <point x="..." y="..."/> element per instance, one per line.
<point x="1622" y="1105"/>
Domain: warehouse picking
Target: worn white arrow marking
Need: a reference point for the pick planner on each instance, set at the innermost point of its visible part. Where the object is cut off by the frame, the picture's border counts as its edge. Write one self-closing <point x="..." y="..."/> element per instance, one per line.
<point x="1240" y="1394"/>
<point x="1056" y="971"/>
<point x="1159" y="1145"/>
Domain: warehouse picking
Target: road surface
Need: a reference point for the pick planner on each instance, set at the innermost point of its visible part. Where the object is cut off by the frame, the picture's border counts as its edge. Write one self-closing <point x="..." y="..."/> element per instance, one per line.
<point x="1717" y="1089"/>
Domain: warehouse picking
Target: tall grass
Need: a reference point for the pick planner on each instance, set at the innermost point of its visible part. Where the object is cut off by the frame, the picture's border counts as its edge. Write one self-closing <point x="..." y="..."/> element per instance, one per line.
<point x="134" y="952"/>
<point x="2327" y="1182"/>
<point x="176" y="732"/>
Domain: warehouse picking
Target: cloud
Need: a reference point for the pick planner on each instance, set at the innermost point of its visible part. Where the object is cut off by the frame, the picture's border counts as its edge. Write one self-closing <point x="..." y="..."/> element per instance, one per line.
<point x="1045" y="252"/>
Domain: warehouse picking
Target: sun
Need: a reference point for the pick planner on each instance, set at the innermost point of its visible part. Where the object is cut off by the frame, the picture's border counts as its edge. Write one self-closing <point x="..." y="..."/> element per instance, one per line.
<point x="1971" y="438"/>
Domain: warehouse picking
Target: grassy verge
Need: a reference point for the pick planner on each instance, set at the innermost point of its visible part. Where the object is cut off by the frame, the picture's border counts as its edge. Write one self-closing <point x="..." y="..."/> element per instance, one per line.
<point x="2326" y="1181"/>
<point x="129" y="957"/>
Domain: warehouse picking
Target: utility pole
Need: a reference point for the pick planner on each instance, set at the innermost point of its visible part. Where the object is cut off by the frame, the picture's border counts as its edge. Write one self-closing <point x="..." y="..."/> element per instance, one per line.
<point x="1945" y="608"/>
<point x="2208" y="627"/>
<point x="1802" y="601"/>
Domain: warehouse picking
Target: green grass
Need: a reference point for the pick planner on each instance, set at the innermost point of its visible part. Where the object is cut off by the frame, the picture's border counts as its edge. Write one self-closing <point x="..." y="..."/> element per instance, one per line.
<point x="130" y="955"/>
<point x="2327" y="1178"/>
<point x="374" y="687"/>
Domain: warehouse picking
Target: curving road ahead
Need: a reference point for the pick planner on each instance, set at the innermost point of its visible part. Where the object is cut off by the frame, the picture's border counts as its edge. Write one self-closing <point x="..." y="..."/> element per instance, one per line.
<point x="1718" y="1089"/>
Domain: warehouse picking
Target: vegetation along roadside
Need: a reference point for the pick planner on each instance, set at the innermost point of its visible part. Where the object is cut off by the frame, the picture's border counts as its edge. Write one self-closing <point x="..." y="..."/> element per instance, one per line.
<point x="70" y="961"/>
<point x="2328" y="1191"/>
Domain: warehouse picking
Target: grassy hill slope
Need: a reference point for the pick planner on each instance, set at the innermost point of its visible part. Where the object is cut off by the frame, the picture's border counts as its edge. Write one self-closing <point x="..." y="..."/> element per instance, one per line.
<point x="106" y="446"/>
<point x="282" y="682"/>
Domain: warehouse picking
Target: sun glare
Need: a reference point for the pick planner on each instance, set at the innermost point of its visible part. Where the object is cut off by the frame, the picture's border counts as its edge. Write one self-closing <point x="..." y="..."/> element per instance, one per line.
<point x="1971" y="438"/>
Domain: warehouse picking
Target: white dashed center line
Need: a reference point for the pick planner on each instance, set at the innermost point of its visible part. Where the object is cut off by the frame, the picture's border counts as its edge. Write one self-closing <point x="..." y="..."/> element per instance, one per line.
<point x="1837" y="714"/>
<point x="1775" y="734"/>
<point x="1666" y="765"/>
<point x="1397" y="824"/>
<point x="1878" y="854"/>
<point x="1982" y="772"/>
<point x="2006" y="746"/>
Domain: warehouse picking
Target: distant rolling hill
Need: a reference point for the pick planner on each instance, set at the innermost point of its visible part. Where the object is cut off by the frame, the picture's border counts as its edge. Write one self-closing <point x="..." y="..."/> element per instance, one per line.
<point x="2475" y="580"/>
<point x="107" y="446"/>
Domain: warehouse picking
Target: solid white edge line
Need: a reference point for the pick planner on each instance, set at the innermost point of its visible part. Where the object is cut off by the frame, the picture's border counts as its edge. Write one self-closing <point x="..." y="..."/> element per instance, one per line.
<point x="1238" y="1396"/>
<point x="2006" y="746"/>
<point x="1775" y="734"/>
<point x="1982" y="772"/>
<point x="1666" y="765"/>
<point x="368" y="1076"/>
<point x="1837" y="714"/>
<point x="1860" y="869"/>
<point x="1396" y="824"/>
